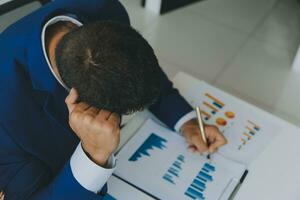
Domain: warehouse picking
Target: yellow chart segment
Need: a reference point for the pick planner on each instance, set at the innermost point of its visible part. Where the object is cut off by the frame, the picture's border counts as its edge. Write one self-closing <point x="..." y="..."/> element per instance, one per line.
<point x="221" y="121"/>
<point x="230" y="114"/>
<point x="215" y="99"/>
<point x="247" y="135"/>
<point x="251" y="130"/>
<point x="206" y="115"/>
<point x="210" y="106"/>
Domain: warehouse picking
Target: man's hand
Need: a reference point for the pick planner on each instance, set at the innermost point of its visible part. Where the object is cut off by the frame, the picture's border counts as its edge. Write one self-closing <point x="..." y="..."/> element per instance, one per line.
<point x="98" y="130"/>
<point x="190" y="130"/>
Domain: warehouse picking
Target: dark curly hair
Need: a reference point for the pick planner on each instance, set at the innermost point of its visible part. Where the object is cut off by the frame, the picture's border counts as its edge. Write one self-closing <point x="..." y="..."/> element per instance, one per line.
<point x="110" y="65"/>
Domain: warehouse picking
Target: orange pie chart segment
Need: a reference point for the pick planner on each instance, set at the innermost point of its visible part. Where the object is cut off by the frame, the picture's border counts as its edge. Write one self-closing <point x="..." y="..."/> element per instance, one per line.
<point x="221" y="122"/>
<point x="230" y="114"/>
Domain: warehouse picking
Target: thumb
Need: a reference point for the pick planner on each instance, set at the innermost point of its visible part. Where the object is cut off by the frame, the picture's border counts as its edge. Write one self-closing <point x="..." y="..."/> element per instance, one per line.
<point x="71" y="99"/>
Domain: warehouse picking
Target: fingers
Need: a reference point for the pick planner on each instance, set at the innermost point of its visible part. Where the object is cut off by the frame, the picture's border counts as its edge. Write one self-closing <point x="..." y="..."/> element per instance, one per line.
<point x="103" y="115"/>
<point x="80" y="107"/>
<point x="114" y="117"/>
<point x="215" y="138"/>
<point x="192" y="148"/>
<point x="71" y="100"/>
<point x="198" y="143"/>
<point x="92" y="111"/>
<point x="220" y="141"/>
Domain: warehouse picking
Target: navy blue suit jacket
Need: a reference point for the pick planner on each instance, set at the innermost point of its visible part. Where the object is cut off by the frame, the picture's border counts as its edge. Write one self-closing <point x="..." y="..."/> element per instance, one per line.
<point x="36" y="141"/>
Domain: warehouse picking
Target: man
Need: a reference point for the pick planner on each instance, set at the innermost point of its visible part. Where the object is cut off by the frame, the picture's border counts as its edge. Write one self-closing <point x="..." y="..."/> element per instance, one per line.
<point x="67" y="73"/>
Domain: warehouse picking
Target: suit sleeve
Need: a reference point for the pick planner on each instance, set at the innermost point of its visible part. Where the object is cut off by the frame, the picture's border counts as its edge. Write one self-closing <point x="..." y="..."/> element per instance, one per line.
<point x="95" y="10"/>
<point x="171" y="106"/>
<point x="24" y="177"/>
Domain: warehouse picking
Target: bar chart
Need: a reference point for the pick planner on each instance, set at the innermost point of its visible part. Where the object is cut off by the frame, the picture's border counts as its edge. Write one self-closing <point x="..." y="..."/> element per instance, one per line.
<point x="213" y="106"/>
<point x="174" y="170"/>
<point x="251" y="129"/>
<point x="197" y="188"/>
<point x="216" y="102"/>
<point x="152" y="142"/>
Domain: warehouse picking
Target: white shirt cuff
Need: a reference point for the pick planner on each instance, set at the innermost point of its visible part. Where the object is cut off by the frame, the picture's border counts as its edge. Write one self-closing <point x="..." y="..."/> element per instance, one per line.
<point x="185" y="118"/>
<point x="87" y="173"/>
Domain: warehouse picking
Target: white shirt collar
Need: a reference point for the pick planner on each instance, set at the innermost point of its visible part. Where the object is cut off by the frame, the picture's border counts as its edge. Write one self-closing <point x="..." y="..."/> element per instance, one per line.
<point x="50" y="22"/>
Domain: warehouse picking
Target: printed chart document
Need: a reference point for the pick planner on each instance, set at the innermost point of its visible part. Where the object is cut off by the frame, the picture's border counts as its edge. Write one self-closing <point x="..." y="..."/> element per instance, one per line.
<point x="247" y="133"/>
<point x="157" y="161"/>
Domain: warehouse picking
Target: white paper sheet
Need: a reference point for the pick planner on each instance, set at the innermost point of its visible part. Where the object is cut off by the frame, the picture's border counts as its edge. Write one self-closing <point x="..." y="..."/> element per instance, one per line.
<point x="247" y="133"/>
<point x="157" y="160"/>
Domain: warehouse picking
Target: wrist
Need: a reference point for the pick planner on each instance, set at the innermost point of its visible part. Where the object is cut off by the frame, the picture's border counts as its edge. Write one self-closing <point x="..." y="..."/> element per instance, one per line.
<point x="188" y="125"/>
<point x="97" y="156"/>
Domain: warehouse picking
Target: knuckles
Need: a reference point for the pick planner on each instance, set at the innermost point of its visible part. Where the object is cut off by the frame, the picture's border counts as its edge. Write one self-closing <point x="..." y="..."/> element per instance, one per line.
<point x="88" y="123"/>
<point x="212" y="128"/>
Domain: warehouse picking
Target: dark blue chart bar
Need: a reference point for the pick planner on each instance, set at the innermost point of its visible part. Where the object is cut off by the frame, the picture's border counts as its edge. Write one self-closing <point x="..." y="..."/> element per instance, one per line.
<point x="168" y="178"/>
<point x="205" y="176"/>
<point x="181" y="158"/>
<point x="177" y="164"/>
<point x="173" y="172"/>
<point x="197" y="188"/>
<point x="202" y="179"/>
<point x="199" y="184"/>
<point x="217" y="105"/>
<point x="194" y="194"/>
<point x="209" y="167"/>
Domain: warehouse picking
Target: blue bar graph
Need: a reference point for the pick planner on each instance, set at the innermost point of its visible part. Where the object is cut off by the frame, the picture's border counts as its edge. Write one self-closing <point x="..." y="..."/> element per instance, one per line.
<point x="174" y="170"/>
<point x="197" y="188"/>
<point x="153" y="141"/>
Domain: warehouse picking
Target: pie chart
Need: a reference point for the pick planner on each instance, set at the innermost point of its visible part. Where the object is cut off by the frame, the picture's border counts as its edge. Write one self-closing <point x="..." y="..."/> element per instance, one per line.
<point x="230" y="114"/>
<point x="221" y="122"/>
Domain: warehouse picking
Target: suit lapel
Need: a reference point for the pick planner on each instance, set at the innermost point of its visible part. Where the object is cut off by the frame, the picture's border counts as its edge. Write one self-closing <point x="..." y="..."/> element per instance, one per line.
<point x="56" y="141"/>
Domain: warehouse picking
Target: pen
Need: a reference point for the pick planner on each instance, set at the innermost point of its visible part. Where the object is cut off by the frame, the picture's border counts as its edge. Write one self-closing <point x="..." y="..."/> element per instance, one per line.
<point x="201" y="127"/>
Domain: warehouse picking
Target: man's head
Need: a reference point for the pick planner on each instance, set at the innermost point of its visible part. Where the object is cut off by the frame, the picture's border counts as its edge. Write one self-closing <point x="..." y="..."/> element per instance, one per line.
<point x="110" y="65"/>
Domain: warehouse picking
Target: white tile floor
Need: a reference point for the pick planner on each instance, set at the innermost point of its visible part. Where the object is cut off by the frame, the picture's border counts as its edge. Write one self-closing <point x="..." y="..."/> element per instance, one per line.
<point x="244" y="47"/>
